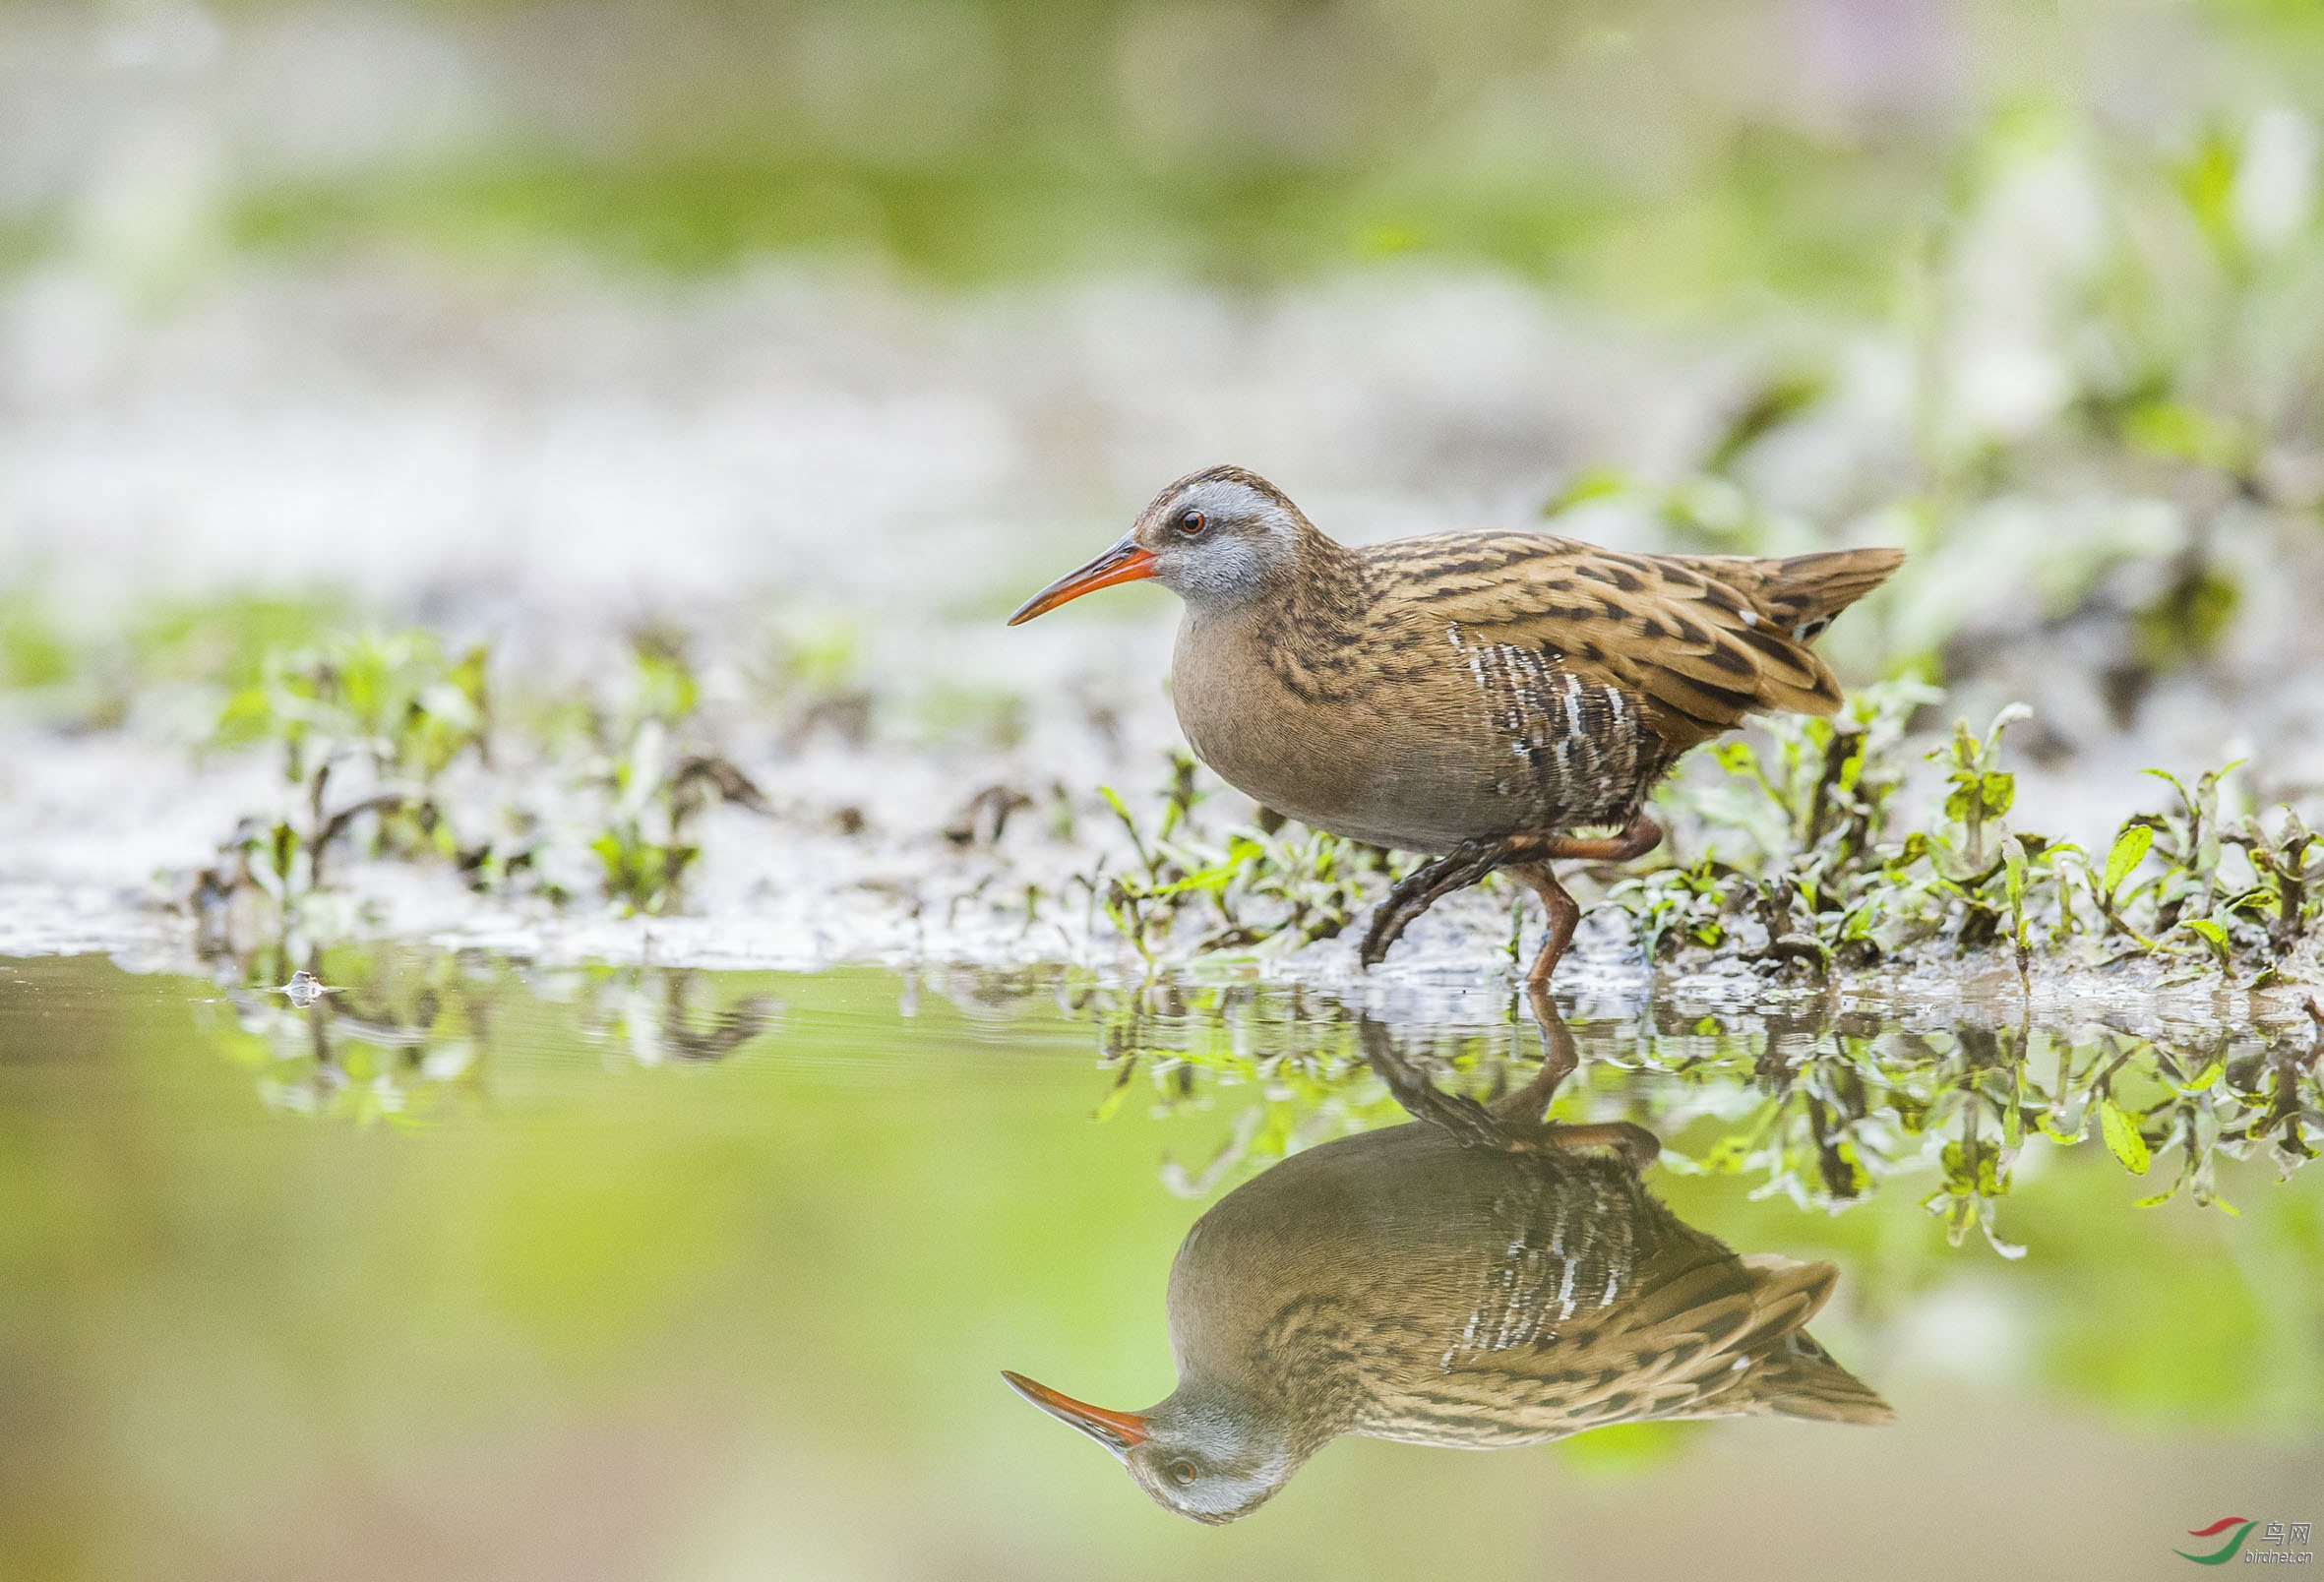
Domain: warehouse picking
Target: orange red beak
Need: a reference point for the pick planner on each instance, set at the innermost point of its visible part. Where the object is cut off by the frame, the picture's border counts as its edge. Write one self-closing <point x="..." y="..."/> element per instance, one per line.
<point x="1115" y="1431"/>
<point x="1125" y="562"/>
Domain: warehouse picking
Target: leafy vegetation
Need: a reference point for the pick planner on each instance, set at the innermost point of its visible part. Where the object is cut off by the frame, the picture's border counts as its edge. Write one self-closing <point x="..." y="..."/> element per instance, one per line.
<point x="1812" y="845"/>
<point x="1265" y="887"/>
<point x="389" y="713"/>
<point x="1815" y="845"/>
<point x="367" y="729"/>
<point x="1821" y="1107"/>
<point x="1795" y="853"/>
<point x="660" y="779"/>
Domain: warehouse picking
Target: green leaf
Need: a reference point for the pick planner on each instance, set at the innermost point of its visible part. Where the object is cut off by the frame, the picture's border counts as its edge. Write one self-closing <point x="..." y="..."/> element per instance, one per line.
<point x="2130" y="849"/>
<point x="2123" y="1140"/>
<point x="246" y="711"/>
<point x="2177" y="432"/>
<point x="1997" y="791"/>
<point x="2206" y="1078"/>
<point x="1591" y="483"/>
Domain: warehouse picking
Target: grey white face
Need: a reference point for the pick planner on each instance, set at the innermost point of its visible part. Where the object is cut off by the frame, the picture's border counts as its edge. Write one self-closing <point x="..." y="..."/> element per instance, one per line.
<point x="1207" y="1463"/>
<point x="1217" y="539"/>
<point x="1218" y="542"/>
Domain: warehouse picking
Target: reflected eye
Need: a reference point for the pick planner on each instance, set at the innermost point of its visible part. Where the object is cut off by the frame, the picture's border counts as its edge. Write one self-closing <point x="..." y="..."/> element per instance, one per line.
<point x="1182" y="1471"/>
<point x="1191" y="523"/>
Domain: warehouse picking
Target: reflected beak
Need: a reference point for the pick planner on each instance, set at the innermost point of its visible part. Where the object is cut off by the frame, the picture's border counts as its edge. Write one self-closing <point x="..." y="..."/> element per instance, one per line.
<point x="1124" y="563"/>
<point x="1115" y="1431"/>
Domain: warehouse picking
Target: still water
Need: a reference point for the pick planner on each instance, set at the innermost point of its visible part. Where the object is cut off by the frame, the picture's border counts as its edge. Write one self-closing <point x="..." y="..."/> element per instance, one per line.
<point x="476" y="1269"/>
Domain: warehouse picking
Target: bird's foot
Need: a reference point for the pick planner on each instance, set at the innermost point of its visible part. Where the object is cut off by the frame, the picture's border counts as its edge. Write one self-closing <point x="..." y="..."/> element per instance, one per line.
<point x="1470" y="1123"/>
<point x="1529" y="1106"/>
<point x="1637" y="837"/>
<point x="1514" y="1123"/>
<point x="1526" y="856"/>
<point x="1632" y="1144"/>
<point x="1428" y="884"/>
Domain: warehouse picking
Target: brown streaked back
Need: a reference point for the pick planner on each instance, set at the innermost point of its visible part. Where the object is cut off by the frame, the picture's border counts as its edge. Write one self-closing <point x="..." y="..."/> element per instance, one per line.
<point x="1698" y="642"/>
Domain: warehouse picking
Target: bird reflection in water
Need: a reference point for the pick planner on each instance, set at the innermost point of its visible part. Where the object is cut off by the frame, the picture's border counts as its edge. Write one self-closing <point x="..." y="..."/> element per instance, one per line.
<point x="1480" y="1277"/>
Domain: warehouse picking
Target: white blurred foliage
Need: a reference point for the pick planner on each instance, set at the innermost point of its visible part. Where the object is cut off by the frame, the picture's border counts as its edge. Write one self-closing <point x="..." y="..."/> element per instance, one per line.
<point x="2017" y="265"/>
<point x="2275" y="193"/>
<point x="173" y="38"/>
<point x="150" y="210"/>
<point x="1968" y="1329"/>
<point x="336" y="88"/>
<point x="2021" y="560"/>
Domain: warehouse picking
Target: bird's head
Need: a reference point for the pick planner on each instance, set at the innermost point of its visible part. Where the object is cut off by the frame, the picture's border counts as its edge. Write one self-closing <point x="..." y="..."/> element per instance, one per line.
<point x="1217" y="538"/>
<point x="1209" y="1460"/>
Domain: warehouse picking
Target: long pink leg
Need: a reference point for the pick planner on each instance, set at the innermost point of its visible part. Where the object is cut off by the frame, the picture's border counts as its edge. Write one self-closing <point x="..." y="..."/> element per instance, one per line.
<point x="1642" y="837"/>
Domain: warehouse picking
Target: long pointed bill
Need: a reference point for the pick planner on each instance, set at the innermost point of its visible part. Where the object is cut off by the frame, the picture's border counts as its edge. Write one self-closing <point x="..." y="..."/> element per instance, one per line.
<point x="1124" y="563"/>
<point x="1115" y="1431"/>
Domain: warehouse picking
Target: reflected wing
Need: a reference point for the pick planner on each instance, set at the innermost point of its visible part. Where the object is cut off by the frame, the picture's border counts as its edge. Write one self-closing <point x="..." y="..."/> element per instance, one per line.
<point x="1725" y="1336"/>
<point x="1702" y="1333"/>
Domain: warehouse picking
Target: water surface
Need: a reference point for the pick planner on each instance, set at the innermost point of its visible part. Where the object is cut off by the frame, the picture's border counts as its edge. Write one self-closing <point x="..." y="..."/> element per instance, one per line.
<point x="480" y="1269"/>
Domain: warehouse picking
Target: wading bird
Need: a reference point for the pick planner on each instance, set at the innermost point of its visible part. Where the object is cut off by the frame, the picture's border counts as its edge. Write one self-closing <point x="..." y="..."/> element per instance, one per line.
<point x="1476" y="697"/>
<point x="1477" y="1279"/>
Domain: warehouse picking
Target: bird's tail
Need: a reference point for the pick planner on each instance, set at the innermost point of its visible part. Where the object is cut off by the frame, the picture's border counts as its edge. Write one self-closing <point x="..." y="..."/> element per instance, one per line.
<point x="1802" y="594"/>
<point x="1797" y="1378"/>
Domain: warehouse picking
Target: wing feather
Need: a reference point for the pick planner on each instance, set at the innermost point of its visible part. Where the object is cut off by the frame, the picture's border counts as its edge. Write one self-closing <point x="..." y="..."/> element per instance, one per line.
<point x="1710" y="1334"/>
<point x="1700" y="642"/>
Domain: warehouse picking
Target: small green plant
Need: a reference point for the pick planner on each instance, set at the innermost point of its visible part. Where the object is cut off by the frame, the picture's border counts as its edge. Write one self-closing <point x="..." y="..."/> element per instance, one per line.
<point x="390" y="714"/>
<point x="1790" y="836"/>
<point x="1269" y="885"/>
<point x="2286" y="899"/>
<point x="660" y="782"/>
<point x="395" y="703"/>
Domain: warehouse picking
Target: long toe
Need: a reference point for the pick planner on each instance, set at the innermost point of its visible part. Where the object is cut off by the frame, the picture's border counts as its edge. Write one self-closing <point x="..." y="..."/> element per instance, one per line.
<point x="1425" y="887"/>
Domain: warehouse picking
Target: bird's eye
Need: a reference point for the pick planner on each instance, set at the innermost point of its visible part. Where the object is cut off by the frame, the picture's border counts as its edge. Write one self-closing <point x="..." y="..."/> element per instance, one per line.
<point x="1191" y="522"/>
<point x="1182" y="1472"/>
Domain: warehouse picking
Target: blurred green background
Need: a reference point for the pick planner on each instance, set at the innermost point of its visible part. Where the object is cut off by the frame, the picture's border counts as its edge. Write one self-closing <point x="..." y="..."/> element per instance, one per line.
<point x="1664" y="155"/>
<point x="2034" y="292"/>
